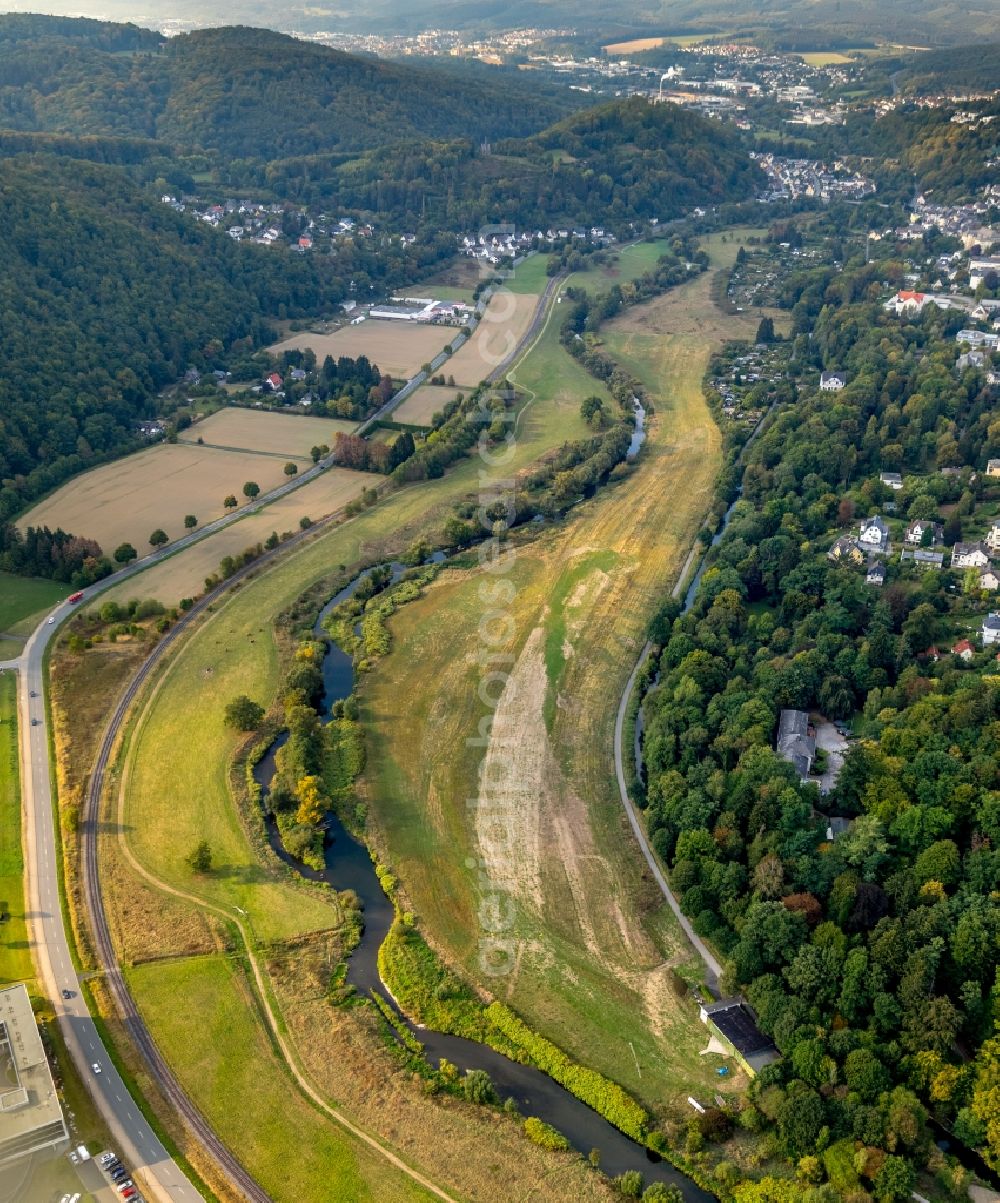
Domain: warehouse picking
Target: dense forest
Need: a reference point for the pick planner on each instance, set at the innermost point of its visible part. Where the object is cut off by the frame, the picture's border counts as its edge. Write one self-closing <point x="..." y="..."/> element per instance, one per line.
<point x="869" y="949"/>
<point x="109" y="295"/>
<point x="227" y="92"/>
<point x="621" y="162"/>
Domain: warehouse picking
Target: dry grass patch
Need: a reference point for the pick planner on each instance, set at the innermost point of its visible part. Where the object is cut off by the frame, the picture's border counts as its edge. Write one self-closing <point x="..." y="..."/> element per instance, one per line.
<point x="421" y="406"/>
<point x="594" y="947"/>
<point x="503" y="325"/>
<point x="396" y="348"/>
<point x="289" y="436"/>
<point x="130" y="498"/>
<point x="636" y="46"/>
<point x="476" y="1151"/>
<point x="183" y="575"/>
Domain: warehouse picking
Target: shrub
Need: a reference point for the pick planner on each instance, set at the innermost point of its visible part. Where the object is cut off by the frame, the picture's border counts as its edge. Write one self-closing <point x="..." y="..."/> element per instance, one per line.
<point x="544" y="1134"/>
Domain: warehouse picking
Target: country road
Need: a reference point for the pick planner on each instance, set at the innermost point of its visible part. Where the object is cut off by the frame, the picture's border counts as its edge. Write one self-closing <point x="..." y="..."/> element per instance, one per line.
<point x="138" y="1144"/>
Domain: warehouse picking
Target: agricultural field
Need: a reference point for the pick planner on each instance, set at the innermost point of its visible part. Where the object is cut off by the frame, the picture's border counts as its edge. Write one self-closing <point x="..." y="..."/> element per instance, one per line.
<point x="635" y="46"/>
<point x="594" y="947"/>
<point x="396" y="348"/>
<point x="825" y="58"/>
<point x="24" y="599"/>
<point x="128" y="499"/>
<point x="15" y="957"/>
<point x="287" y="436"/>
<point x="504" y="323"/>
<point x="184" y="575"/>
<point x="421" y="406"/>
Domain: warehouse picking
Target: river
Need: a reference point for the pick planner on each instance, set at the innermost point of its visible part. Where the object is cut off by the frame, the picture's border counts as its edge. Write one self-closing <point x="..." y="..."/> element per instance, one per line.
<point x="348" y="866"/>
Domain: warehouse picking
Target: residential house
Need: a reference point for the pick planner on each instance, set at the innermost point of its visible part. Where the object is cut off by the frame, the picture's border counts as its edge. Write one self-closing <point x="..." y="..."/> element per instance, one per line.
<point x="846" y="550"/>
<point x="924" y="558"/>
<point x="993" y="537"/>
<point x="991" y="629"/>
<point x="971" y="359"/>
<point x="921" y="529"/>
<point x="993" y="467"/>
<point x="906" y="303"/>
<point x="298" y="374"/>
<point x="796" y="741"/>
<point x="989" y="581"/>
<point x="979" y="338"/>
<point x="875" y="575"/>
<point x="273" y="382"/>
<point x="736" y="1025"/>
<point x="964" y="650"/>
<point x="970" y="555"/>
<point x="892" y="479"/>
<point x="832" y="382"/>
<point x="873" y="536"/>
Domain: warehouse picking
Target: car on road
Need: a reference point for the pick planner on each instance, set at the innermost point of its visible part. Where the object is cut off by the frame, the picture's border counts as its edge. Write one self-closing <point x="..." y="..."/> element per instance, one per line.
<point x="52" y="618"/>
<point x="96" y="1067"/>
<point x="34" y="722"/>
<point x="34" y="693"/>
<point x="69" y="994"/>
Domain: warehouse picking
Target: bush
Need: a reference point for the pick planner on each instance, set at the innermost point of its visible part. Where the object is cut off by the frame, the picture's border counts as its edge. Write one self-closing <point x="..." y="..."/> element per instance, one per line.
<point x="629" y="1184"/>
<point x="244" y="713"/>
<point x="544" y="1134"/>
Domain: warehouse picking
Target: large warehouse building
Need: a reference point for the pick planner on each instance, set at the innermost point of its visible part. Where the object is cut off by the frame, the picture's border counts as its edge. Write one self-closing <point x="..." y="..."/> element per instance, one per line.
<point x="31" y="1118"/>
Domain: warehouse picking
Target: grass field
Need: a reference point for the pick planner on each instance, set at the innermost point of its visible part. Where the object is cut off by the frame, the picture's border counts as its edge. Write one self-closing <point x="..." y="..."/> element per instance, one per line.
<point x="594" y="944"/>
<point x="636" y="46"/>
<point x="221" y="1054"/>
<point x="155" y="488"/>
<point x="628" y="264"/>
<point x="396" y="348"/>
<point x="287" y="436"/>
<point x="507" y="317"/>
<point x="15" y="956"/>
<point x="421" y="406"/>
<point x="529" y="276"/>
<point x="24" y="598"/>
<point x="184" y="575"/>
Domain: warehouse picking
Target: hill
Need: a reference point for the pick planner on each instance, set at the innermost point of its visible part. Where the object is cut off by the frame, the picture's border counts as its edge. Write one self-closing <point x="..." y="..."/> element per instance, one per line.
<point x="911" y="22"/>
<point x="241" y="93"/>
<point x="620" y="162"/>
<point x="108" y="295"/>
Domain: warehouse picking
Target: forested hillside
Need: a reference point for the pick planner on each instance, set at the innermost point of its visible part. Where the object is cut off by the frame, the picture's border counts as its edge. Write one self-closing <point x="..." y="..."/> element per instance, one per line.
<point x="621" y="162"/>
<point x="106" y="296"/>
<point x="870" y="947"/>
<point x="250" y="93"/>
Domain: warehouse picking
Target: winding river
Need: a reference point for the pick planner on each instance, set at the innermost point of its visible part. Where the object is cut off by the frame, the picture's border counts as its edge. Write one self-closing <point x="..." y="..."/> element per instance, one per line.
<point x="349" y="866"/>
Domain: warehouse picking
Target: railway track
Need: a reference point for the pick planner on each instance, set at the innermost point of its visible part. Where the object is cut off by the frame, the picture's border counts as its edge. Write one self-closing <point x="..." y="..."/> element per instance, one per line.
<point x="135" y="1026"/>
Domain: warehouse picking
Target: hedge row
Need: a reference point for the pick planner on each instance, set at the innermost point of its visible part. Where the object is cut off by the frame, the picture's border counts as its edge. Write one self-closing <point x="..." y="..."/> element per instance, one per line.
<point x="593" y="1088"/>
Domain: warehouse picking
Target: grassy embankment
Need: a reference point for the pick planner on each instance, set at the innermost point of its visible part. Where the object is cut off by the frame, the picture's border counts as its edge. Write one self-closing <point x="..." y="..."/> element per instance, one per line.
<point x="23" y="601"/>
<point x="595" y="946"/>
<point x="176" y="793"/>
<point x="15" y="956"/>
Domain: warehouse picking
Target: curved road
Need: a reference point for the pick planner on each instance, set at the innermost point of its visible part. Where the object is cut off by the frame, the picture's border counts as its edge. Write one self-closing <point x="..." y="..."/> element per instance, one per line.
<point x="138" y="1144"/>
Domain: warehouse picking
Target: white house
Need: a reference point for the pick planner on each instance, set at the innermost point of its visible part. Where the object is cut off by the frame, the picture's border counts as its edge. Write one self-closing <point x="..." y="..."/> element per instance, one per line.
<point x="874" y="536"/>
<point x="907" y="303"/>
<point x="875" y="575"/>
<point x="970" y="555"/>
<point x="989" y="581"/>
<point x="892" y="479"/>
<point x="917" y="531"/>
<point x="993" y="467"/>
<point x="993" y="537"/>
<point x="991" y="629"/>
<point x="979" y="338"/>
<point x="832" y="382"/>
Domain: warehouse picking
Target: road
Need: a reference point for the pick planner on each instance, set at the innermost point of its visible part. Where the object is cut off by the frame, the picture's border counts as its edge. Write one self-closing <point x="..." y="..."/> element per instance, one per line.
<point x="137" y="1143"/>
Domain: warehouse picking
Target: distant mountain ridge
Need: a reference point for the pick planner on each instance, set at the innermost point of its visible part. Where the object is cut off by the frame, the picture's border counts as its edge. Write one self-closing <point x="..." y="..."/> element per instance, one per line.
<point x="913" y="22"/>
<point x="248" y="93"/>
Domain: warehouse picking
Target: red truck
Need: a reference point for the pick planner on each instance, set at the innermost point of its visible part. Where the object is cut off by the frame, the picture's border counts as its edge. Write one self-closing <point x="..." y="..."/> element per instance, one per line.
<point x="75" y="597"/>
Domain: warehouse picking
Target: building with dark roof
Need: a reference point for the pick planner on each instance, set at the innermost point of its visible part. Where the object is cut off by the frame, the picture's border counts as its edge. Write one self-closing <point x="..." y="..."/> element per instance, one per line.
<point x="796" y="741"/>
<point x="735" y="1023"/>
